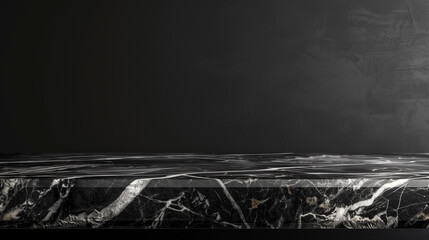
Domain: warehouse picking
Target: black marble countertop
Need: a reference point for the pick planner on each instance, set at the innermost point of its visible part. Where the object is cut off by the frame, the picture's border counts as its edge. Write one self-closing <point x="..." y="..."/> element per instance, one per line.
<point x="279" y="190"/>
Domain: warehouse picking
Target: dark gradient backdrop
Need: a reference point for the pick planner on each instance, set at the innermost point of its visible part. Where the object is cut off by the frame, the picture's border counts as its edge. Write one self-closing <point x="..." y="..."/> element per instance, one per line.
<point x="214" y="76"/>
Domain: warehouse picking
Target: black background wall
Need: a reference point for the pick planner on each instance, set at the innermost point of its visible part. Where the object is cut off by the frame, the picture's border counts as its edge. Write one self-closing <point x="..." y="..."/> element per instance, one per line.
<point x="214" y="76"/>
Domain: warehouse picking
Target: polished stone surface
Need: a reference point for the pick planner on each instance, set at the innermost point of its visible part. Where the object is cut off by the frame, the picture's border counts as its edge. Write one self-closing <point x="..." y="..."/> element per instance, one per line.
<point x="278" y="190"/>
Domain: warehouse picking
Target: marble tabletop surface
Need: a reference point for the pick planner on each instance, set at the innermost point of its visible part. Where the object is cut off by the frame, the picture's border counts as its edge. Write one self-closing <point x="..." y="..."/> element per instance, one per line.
<point x="277" y="190"/>
<point x="262" y="166"/>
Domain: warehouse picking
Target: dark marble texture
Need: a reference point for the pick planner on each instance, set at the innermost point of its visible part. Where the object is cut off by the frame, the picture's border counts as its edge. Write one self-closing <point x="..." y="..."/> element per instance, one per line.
<point x="214" y="191"/>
